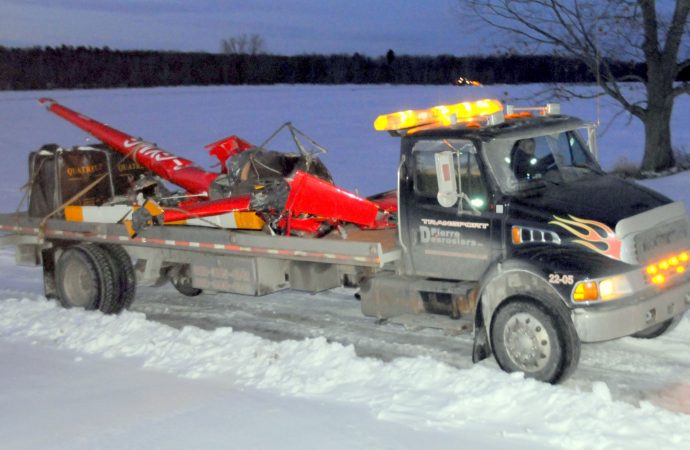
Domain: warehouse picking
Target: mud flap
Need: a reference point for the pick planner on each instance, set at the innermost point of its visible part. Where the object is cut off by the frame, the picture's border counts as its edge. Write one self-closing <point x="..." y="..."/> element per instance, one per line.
<point x="480" y="348"/>
<point x="48" y="259"/>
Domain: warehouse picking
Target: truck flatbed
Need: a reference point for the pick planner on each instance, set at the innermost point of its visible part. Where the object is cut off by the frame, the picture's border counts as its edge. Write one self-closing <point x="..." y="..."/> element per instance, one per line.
<point x="375" y="249"/>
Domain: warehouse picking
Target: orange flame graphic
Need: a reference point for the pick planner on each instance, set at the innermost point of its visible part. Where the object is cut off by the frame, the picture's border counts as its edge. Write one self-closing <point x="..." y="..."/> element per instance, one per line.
<point x="596" y="236"/>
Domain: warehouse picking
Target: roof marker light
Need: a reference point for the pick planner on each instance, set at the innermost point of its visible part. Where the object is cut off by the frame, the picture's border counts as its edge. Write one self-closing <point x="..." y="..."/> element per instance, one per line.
<point x="441" y="115"/>
<point x="515" y="112"/>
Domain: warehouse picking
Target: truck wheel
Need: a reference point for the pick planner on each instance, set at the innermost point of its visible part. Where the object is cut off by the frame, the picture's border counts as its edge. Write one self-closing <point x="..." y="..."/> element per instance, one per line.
<point x="536" y="339"/>
<point x="84" y="278"/>
<point x="659" y="329"/>
<point x="186" y="289"/>
<point x="125" y="277"/>
<point x="180" y="278"/>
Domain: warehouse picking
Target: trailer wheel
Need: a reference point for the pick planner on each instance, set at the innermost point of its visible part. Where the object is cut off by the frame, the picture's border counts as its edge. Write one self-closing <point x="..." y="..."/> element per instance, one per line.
<point x="180" y="278"/>
<point x="185" y="288"/>
<point x="84" y="278"/>
<point x="125" y="277"/>
<point x="534" y="338"/>
<point x="659" y="329"/>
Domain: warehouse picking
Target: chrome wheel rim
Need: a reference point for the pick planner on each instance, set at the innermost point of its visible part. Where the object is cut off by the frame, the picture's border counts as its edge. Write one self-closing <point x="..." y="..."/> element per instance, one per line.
<point x="527" y="343"/>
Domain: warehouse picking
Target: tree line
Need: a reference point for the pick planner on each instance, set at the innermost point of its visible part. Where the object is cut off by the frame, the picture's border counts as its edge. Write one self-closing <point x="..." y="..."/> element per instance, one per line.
<point x="67" y="67"/>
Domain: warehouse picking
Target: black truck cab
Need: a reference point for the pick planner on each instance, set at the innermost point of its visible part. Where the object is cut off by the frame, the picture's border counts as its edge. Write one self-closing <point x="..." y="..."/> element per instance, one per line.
<point x="509" y="222"/>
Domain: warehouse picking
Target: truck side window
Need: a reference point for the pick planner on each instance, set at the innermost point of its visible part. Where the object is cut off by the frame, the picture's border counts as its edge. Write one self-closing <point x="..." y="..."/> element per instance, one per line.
<point x="425" y="184"/>
<point x="471" y="181"/>
<point x="578" y="152"/>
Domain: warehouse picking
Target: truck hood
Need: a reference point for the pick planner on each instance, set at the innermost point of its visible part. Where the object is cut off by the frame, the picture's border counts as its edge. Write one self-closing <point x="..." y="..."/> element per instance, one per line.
<point x="606" y="215"/>
<point x="606" y="199"/>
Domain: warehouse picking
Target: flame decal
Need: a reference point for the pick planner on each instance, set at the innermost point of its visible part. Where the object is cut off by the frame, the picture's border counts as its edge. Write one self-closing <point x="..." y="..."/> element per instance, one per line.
<point x="596" y="236"/>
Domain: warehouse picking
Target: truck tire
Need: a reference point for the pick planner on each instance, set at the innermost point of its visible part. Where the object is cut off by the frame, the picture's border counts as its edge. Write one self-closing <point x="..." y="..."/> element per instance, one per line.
<point x="659" y="329"/>
<point x="532" y="337"/>
<point x="84" y="278"/>
<point x="125" y="277"/>
<point x="182" y="281"/>
<point x="185" y="288"/>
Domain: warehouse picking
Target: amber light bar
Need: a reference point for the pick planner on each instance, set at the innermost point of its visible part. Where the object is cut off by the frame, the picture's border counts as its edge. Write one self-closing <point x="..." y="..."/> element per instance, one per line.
<point x="441" y="115"/>
<point x="661" y="271"/>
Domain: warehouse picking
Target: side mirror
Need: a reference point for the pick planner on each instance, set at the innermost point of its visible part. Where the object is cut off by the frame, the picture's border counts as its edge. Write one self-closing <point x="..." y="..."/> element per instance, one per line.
<point x="447" y="179"/>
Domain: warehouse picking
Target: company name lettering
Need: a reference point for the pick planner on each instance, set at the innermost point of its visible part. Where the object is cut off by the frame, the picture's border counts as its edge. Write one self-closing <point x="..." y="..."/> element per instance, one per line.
<point x="433" y="235"/>
<point x="124" y="167"/>
<point x="83" y="170"/>
<point x="456" y="224"/>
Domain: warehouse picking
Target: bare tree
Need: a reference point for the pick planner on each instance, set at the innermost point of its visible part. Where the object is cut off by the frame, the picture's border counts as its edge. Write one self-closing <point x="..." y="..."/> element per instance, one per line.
<point x="599" y="32"/>
<point x="243" y="44"/>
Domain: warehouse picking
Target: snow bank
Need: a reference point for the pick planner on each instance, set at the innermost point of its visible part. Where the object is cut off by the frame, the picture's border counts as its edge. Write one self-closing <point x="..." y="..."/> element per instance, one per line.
<point x="420" y="392"/>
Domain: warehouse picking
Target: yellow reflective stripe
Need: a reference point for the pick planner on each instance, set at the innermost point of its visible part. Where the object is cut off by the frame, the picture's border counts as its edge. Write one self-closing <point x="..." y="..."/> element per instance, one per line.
<point x="74" y="214"/>
<point x="248" y="221"/>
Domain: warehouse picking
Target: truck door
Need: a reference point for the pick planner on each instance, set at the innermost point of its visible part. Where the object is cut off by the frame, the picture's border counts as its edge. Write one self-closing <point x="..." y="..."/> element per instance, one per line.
<point x="451" y="242"/>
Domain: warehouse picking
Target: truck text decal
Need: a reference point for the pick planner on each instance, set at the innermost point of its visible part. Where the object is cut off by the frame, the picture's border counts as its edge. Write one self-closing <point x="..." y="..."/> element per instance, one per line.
<point x="456" y="224"/>
<point x="434" y="235"/>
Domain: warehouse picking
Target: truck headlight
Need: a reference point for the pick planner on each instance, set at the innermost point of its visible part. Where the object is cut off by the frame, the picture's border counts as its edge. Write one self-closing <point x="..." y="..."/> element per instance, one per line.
<point x="605" y="289"/>
<point x="614" y="287"/>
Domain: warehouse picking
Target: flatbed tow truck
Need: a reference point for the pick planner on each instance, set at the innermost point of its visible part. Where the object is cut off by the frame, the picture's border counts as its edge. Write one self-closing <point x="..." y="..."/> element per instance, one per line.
<point x="502" y="224"/>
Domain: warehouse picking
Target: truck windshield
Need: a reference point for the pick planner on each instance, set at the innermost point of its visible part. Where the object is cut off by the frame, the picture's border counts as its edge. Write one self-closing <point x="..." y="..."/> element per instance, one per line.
<point x="523" y="164"/>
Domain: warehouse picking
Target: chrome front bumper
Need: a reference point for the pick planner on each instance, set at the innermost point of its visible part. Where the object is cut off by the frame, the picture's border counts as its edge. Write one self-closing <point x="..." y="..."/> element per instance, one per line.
<point x="619" y="318"/>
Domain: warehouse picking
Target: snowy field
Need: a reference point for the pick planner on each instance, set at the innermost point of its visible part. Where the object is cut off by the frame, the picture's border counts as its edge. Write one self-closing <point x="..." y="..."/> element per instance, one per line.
<point x="188" y="377"/>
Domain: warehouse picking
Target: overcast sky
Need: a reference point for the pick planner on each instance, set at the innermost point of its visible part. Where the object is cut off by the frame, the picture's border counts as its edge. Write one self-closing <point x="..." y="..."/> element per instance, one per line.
<point x="288" y="26"/>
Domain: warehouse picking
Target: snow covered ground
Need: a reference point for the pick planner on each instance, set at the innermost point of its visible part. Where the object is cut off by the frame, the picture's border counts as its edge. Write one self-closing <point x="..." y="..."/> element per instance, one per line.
<point x="72" y="379"/>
